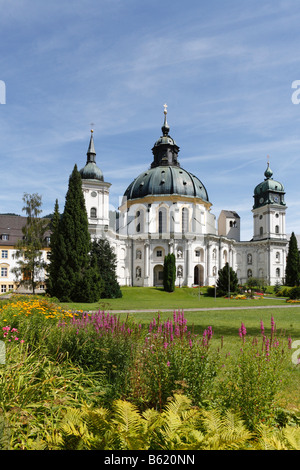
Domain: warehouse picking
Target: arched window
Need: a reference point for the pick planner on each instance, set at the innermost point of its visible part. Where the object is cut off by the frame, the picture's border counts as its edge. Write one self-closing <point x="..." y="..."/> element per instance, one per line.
<point x="277" y="256"/>
<point x="185" y="220"/>
<point x="261" y="230"/>
<point x="139" y="221"/>
<point x="277" y="272"/>
<point x="276" y="228"/>
<point x="93" y="213"/>
<point x="162" y="220"/>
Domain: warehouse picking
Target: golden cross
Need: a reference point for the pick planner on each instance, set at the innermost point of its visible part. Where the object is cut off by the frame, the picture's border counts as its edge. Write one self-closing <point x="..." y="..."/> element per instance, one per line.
<point x="165" y="108"/>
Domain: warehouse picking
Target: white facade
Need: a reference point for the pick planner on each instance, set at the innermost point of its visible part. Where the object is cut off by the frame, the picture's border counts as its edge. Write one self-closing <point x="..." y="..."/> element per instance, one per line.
<point x="154" y="225"/>
<point x="166" y="210"/>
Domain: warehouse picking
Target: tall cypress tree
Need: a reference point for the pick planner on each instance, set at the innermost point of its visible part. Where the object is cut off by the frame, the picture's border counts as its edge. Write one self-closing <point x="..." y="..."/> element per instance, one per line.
<point x="76" y="279"/>
<point x="292" y="271"/>
<point x="54" y="264"/>
<point x="169" y="273"/>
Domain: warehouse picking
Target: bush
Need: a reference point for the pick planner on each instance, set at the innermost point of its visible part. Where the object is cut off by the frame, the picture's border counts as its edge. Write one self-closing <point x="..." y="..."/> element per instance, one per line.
<point x="172" y="360"/>
<point x="294" y="293"/>
<point x="99" y="343"/>
<point x="251" y="380"/>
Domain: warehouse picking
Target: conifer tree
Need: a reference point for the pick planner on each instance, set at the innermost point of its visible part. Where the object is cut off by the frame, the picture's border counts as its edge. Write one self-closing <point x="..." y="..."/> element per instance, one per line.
<point x="169" y="273"/>
<point x="292" y="271"/>
<point x="54" y="264"/>
<point x="104" y="258"/>
<point x="227" y="281"/>
<point x="77" y="280"/>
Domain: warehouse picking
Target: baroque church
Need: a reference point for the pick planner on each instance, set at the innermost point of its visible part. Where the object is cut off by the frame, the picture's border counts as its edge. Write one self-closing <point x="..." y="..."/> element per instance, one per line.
<point x="166" y="209"/>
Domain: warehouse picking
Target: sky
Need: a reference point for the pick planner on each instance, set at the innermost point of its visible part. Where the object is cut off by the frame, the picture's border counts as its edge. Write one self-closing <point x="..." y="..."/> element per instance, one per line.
<point x="226" y="70"/>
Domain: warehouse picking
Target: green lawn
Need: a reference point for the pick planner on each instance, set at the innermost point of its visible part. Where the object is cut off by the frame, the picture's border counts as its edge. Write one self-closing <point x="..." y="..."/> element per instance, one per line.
<point x="139" y="298"/>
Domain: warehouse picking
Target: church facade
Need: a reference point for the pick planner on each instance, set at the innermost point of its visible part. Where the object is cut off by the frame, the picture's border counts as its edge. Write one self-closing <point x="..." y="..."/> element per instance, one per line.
<point x="166" y="209"/>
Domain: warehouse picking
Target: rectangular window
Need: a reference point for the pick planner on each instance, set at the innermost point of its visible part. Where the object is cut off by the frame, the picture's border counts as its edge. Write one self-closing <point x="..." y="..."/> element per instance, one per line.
<point x="3" y="288"/>
<point x="4" y="272"/>
<point x="159" y="253"/>
<point x="4" y="254"/>
<point x="4" y="236"/>
<point x="160" y="275"/>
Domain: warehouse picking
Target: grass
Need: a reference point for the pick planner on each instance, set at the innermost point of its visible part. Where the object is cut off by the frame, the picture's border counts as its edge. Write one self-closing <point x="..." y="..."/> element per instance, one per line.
<point x="139" y="298"/>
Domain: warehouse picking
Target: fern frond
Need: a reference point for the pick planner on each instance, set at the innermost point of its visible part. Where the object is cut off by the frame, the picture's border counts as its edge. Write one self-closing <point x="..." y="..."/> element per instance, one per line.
<point x="292" y="437"/>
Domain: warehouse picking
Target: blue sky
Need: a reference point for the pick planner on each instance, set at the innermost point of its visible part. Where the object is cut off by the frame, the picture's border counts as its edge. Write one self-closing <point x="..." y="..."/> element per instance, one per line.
<point x="225" y="69"/>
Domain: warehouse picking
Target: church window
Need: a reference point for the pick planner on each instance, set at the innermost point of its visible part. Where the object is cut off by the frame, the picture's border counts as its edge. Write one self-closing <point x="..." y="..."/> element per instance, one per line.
<point x="277" y="215"/>
<point x="162" y="220"/>
<point x="185" y="220"/>
<point x="159" y="253"/>
<point x="93" y="213"/>
<point x="261" y="230"/>
<point x="276" y="228"/>
<point x="277" y="256"/>
<point x="139" y="220"/>
<point x="277" y="272"/>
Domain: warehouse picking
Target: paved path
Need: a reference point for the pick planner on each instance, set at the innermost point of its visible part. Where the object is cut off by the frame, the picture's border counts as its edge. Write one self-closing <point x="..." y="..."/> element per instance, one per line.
<point x="204" y="309"/>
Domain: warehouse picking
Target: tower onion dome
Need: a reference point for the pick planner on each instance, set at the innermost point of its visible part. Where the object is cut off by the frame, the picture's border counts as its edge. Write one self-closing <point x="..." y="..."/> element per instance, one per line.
<point x="91" y="171"/>
<point x="165" y="176"/>
<point x="269" y="191"/>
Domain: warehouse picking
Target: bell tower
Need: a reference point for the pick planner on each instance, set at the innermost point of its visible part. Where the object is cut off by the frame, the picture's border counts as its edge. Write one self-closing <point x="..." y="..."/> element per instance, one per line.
<point x="96" y="193"/>
<point x="269" y="209"/>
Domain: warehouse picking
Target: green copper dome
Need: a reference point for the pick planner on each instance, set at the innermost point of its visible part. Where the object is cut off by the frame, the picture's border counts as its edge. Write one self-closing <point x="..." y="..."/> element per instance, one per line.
<point x="91" y="171"/>
<point x="166" y="180"/>
<point x="166" y="177"/>
<point x="269" y="191"/>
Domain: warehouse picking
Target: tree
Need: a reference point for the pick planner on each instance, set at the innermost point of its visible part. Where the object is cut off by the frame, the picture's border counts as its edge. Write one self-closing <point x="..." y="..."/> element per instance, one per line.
<point x="169" y="273"/>
<point x="54" y="264"/>
<point x="30" y="262"/>
<point x="105" y="259"/>
<point x="76" y="279"/>
<point x="292" y="271"/>
<point x="227" y="280"/>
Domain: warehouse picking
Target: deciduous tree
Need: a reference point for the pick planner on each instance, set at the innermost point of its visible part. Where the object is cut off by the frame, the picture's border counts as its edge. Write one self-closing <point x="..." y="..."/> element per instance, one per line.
<point x="30" y="258"/>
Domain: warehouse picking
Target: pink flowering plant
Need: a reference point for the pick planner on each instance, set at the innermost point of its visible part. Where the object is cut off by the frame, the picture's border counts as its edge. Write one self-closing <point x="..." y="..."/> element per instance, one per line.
<point x="11" y="335"/>
<point x="251" y="380"/>
<point x="98" y="342"/>
<point x="172" y="359"/>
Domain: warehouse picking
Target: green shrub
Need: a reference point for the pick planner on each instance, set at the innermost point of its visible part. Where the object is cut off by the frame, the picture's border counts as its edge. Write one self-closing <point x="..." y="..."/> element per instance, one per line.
<point x="294" y="293"/>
